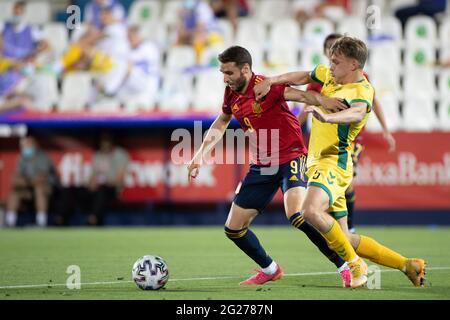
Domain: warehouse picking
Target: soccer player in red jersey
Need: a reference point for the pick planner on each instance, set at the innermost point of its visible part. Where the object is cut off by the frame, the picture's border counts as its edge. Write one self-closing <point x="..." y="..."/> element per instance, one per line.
<point x="282" y="163"/>
<point x="358" y="146"/>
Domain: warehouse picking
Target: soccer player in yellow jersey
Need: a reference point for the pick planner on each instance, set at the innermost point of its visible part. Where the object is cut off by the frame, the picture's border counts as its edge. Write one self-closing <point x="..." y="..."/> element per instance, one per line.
<point x="329" y="162"/>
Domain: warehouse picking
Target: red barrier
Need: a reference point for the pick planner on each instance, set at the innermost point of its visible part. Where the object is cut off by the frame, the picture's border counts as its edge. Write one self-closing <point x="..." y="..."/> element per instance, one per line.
<point x="417" y="175"/>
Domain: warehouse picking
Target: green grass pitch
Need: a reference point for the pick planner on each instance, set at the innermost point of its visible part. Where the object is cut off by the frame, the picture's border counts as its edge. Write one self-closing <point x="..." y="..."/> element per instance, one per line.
<point x="204" y="264"/>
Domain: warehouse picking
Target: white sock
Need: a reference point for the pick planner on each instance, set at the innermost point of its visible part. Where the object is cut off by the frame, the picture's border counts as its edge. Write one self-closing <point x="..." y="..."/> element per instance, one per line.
<point x="41" y="219"/>
<point x="271" y="269"/>
<point x="11" y="218"/>
<point x="343" y="267"/>
<point x="354" y="260"/>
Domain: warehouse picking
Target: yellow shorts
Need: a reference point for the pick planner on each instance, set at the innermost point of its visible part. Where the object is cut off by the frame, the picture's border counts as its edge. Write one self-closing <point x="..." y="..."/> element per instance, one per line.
<point x="334" y="181"/>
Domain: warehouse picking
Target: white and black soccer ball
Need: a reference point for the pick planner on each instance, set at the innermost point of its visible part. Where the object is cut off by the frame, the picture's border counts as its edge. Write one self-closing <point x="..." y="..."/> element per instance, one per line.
<point x="150" y="272"/>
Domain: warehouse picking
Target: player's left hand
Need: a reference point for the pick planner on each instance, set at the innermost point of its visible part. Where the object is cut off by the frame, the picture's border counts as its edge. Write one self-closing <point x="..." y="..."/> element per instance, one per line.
<point x="390" y="140"/>
<point x="333" y="104"/>
<point x="316" y="112"/>
<point x="261" y="89"/>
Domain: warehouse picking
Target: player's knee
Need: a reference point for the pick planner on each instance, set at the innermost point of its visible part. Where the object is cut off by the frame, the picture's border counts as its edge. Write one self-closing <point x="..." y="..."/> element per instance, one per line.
<point x="235" y="234"/>
<point x="309" y="212"/>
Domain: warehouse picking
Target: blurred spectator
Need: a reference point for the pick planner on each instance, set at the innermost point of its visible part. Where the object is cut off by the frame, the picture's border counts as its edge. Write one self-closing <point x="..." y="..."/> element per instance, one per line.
<point x="109" y="165"/>
<point x="230" y="9"/>
<point x="93" y="10"/>
<point x="426" y="7"/>
<point x="35" y="179"/>
<point x="197" y="26"/>
<point x="334" y="10"/>
<point x="142" y="78"/>
<point x="20" y="44"/>
<point x="104" y="52"/>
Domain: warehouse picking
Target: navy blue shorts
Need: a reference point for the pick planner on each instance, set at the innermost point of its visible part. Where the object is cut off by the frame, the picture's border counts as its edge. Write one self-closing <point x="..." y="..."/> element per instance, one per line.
<point x="257" y="190"/>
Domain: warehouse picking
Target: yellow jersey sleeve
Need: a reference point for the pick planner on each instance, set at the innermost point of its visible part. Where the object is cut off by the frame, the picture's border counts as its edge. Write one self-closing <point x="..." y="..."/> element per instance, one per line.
<point x="363" y="93"/>
<point x="320" y="73"/>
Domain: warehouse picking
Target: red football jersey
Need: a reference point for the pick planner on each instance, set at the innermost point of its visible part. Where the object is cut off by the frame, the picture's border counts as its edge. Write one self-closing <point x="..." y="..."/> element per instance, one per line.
<point x="269" y="122"/>
<point x="315" y="86"/>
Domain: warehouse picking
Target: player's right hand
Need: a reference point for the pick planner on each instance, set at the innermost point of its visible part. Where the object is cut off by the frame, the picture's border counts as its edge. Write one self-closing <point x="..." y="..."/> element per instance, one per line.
<point x="193" y="170"/>
<point x="261" y="89"/>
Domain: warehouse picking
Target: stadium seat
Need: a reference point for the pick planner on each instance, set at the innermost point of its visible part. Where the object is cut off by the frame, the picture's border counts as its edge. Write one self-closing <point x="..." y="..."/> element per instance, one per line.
<point x="56" y="34"/>
<point x="226" y="30"/>
<point x="284" y="32"/>
<point x="444" y="34"/>
<point x="385" y="80"/>
<point x="43" y="89"/>
<point x="157" y="33"/>
<point x="444" y="54"/>
<point x="419" y="113"/>
<point x="397" y="4"/>
<point x="6" y="8"/>
<point x="444" y="83"/>
<point x="444" y="114"/>
<point x="420" y="81"/>
<point x="353" y="26"/>
<point x="389" y="27"/>
<point x="176" y="92"/>
<point x="311" y="56"/>
<point x="208" y="93"/>
<point x="105" y="104"/>
<point x="316" y="30"/>
<point x="139" y="102"/>
<point x="37" y="12"/>
<point x="359" y="7"/>
<point x="420" y="29"/>
<point x="257" y="52"/>
<point x="170" y="11"/>
<point x="391" y="110"/>
<point x="268" y="11"/>
<point x="285" y="56"/>
<point x="383" y="52"/>
<point x="250" y="31"/>
<point x="210" y="56"/>
<point x="75" y="100"/>
<point x="419" y="56"/>
<point x="180" y="58"/>
<point x="144" y="11"/>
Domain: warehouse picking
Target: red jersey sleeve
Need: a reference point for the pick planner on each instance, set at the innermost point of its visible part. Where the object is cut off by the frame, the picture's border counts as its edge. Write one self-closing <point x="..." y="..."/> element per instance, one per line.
<point x="278" y="91"/>
<point x="314" y="86"/>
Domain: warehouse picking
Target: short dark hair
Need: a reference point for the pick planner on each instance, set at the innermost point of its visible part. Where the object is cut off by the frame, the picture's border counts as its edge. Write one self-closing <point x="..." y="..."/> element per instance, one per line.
<point x="20" y="3"/>
<point x="236" y="54"/>
<point x="351" y="48"/>
<point x="328" y="39"/>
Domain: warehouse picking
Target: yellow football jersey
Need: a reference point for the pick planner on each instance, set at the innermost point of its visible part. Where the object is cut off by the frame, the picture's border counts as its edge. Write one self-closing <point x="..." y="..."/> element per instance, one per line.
<point x="332" y="143"/>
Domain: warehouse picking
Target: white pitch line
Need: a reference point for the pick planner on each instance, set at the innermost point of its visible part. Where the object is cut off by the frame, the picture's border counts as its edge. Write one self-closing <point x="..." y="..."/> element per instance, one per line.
<point x="189" y="279"/>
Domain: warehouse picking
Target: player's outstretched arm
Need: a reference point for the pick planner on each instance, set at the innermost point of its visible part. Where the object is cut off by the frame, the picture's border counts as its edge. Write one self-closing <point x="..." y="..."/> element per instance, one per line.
<point x="215" y="133"/>
<point x="291" y="78"/>
<point x="382" y="120"/>
<point x="314" y="98"/>
<point x="353" y="114"/>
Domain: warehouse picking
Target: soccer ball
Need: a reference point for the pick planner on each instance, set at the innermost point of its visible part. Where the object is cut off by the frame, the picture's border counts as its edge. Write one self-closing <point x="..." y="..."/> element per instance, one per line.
<point x="150" y="272"/>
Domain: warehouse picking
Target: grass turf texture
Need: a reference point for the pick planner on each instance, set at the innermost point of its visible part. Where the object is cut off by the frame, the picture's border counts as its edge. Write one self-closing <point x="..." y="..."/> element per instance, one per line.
<point x="204" y="264"/>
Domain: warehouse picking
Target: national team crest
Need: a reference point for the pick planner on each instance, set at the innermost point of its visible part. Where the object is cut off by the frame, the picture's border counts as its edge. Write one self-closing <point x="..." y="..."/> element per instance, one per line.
<point x="257" y="109"/>
<point x="235" y="108"/>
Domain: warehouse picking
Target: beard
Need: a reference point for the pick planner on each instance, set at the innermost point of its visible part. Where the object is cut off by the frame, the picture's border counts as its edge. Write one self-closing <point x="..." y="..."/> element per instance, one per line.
<point x="240" y="83"/>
